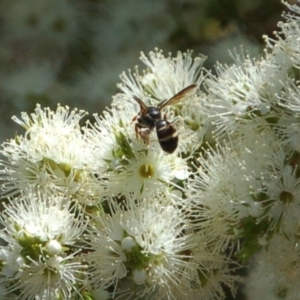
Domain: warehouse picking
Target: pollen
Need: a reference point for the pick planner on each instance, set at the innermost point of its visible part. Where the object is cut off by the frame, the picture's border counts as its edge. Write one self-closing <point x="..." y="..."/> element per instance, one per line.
<point x="147" y="171"/>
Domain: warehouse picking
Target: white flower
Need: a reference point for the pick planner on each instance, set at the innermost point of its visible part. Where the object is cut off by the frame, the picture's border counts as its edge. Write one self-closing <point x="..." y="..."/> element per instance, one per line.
<point x="243" y="91"/>
<point x="12" y="258"/>
<point x="282" y="202"/>
<point x="168" y="75"/>
<point x="109" y="137"/>
<point x="149" y="251"/>
<point x="106" y="258"/>
<point x="275" y="271"/>
<point x="230" y="179"/>
<point x="146" y="173"/>
<point x="43" y="215"/>
<point x="53" y="152"/>
<point x="285" y="48"/>
<point x="147" y="242"/>
<point x="40" y="258"/>
<point x="288" y="120"/>
<point x="261" y="284"/>
<point x="214" y="272"/>
<point x="193" y="124"/>
<point x="165" y="77"/>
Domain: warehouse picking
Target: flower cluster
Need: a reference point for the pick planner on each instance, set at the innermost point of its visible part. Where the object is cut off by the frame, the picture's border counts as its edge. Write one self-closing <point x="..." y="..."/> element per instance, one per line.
<point x="101" y="209"/>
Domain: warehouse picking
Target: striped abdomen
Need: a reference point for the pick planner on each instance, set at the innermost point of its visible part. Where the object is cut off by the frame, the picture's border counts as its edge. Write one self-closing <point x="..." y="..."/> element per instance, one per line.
<point x="167" y="136"/>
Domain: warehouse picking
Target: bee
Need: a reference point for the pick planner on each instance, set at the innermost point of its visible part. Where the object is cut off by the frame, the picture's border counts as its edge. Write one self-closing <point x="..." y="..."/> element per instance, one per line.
<point x="150" y="117"/>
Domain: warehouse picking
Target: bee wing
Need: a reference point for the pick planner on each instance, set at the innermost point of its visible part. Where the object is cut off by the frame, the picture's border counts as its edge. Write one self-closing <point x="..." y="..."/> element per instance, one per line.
<point x="143" y="106"/>
<point x="178" y="97"/>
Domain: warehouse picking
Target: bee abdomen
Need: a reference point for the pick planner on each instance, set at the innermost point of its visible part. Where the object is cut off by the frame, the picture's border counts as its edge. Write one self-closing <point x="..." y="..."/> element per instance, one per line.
<point x="167" y="136"/>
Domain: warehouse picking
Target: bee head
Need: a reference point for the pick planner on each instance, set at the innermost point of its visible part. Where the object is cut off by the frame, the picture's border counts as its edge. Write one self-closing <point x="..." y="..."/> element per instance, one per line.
<point x="153" y="113"/>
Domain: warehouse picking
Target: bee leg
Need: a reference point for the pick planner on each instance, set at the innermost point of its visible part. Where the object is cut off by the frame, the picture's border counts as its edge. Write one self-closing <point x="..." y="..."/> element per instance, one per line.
<point x="137" y="129"/>
<point x="145" y="135"/>
<point x="142" y="132"/>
